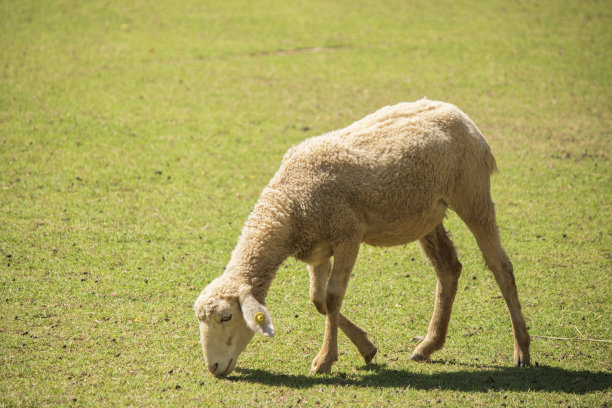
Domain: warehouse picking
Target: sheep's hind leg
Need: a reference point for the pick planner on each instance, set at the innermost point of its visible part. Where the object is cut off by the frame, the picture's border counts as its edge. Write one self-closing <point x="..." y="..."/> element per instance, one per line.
<point x="440" y="250"/>
<point x="486" y="233"/>
<point x="319" y="276"/>
<point x="344" y="260"/>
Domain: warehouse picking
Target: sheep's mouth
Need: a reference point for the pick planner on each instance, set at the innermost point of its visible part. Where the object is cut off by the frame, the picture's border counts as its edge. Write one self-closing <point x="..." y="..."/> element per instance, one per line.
<point x="227" y="370"/>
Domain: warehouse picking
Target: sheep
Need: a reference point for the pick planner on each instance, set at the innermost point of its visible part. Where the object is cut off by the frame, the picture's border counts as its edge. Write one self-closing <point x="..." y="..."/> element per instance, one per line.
<point x="387" y="179"/>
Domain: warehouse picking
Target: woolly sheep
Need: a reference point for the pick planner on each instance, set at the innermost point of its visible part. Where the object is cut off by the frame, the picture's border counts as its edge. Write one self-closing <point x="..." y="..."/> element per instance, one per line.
<point x="385" y="180"/>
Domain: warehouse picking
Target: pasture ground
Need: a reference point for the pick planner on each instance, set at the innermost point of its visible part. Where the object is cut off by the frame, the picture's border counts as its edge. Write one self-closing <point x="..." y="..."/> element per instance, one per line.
<point x="135" y="137"/>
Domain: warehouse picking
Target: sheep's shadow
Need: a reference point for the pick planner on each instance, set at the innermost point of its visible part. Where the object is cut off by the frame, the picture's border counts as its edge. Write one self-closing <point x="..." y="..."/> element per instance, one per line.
<point x="491" y="378"/>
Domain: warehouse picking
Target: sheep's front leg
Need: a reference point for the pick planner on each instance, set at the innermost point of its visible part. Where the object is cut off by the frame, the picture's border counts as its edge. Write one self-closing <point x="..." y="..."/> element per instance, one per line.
<point x="344" y="260"/>
<point x="319" y="275"/>
<point x="359" y="338"/>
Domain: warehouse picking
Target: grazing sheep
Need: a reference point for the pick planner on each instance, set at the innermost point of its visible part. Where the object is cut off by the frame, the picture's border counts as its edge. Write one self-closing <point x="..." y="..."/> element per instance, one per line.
<point x="385" y="180"/>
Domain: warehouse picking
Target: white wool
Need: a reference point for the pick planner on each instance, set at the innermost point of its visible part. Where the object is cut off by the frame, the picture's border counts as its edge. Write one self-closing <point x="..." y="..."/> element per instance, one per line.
<point x="386" y="179"/>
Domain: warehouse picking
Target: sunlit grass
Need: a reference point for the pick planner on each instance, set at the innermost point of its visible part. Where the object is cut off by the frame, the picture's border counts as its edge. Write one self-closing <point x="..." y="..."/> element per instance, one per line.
<point x="135" y="139"/>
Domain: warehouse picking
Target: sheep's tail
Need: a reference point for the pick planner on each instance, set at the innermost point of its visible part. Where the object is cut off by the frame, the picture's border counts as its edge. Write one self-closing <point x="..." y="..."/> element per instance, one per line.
<point x="490" y="160"/>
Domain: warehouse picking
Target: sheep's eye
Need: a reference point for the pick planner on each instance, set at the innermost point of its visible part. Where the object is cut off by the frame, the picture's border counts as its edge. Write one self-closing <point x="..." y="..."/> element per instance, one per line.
<point x="226" y="317"/>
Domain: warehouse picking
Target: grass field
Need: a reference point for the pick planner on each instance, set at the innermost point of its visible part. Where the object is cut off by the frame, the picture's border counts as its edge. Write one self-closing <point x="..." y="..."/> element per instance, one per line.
<point x="135" y="138"/>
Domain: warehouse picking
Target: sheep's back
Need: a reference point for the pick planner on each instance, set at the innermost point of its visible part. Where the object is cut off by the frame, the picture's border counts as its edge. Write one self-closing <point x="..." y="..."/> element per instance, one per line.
<point x="397" y="162"/>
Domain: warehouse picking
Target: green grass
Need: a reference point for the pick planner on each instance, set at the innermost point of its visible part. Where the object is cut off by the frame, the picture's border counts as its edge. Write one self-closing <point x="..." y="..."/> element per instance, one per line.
<point x="134" y="140"/>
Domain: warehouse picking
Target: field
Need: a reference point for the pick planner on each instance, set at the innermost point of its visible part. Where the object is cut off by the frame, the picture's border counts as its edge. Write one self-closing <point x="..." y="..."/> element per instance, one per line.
<point x="136" y="136"/>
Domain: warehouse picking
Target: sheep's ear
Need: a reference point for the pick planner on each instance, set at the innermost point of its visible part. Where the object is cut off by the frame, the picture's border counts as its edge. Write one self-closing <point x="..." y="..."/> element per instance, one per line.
<point x="256" y="316"/>
<point x="200" y="313"/>
<point x="198" y="308"/>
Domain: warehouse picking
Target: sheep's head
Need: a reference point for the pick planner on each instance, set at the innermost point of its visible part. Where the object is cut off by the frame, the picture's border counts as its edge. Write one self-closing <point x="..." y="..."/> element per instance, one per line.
<point x="227" y="324"/>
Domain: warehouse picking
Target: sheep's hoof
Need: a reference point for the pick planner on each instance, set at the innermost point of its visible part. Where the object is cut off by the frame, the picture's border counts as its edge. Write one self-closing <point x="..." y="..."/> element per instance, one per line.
<point x="522" y="364"/>
<point x="368" y="357"/>
<point x="521" y="361"/>
<point x="322" y="364"/>
<point x="320" y="369"/>
<point x="418" y="357"/>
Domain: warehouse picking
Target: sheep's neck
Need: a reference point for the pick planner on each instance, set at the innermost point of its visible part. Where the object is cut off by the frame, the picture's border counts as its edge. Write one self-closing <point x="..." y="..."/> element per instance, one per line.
<point x="257" y="257"/>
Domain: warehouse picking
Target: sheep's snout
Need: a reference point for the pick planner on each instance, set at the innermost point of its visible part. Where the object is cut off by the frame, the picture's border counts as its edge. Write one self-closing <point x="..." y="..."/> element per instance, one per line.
<point x="222" y="370"/>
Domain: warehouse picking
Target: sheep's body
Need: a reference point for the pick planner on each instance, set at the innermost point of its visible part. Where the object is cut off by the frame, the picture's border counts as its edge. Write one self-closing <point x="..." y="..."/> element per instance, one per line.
<point x="387" y="179"/>
<point x="389" y="174"/>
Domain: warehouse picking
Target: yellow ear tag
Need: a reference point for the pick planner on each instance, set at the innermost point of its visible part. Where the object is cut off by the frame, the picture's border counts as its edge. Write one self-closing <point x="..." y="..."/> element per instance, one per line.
<point x="260" y="318"/>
